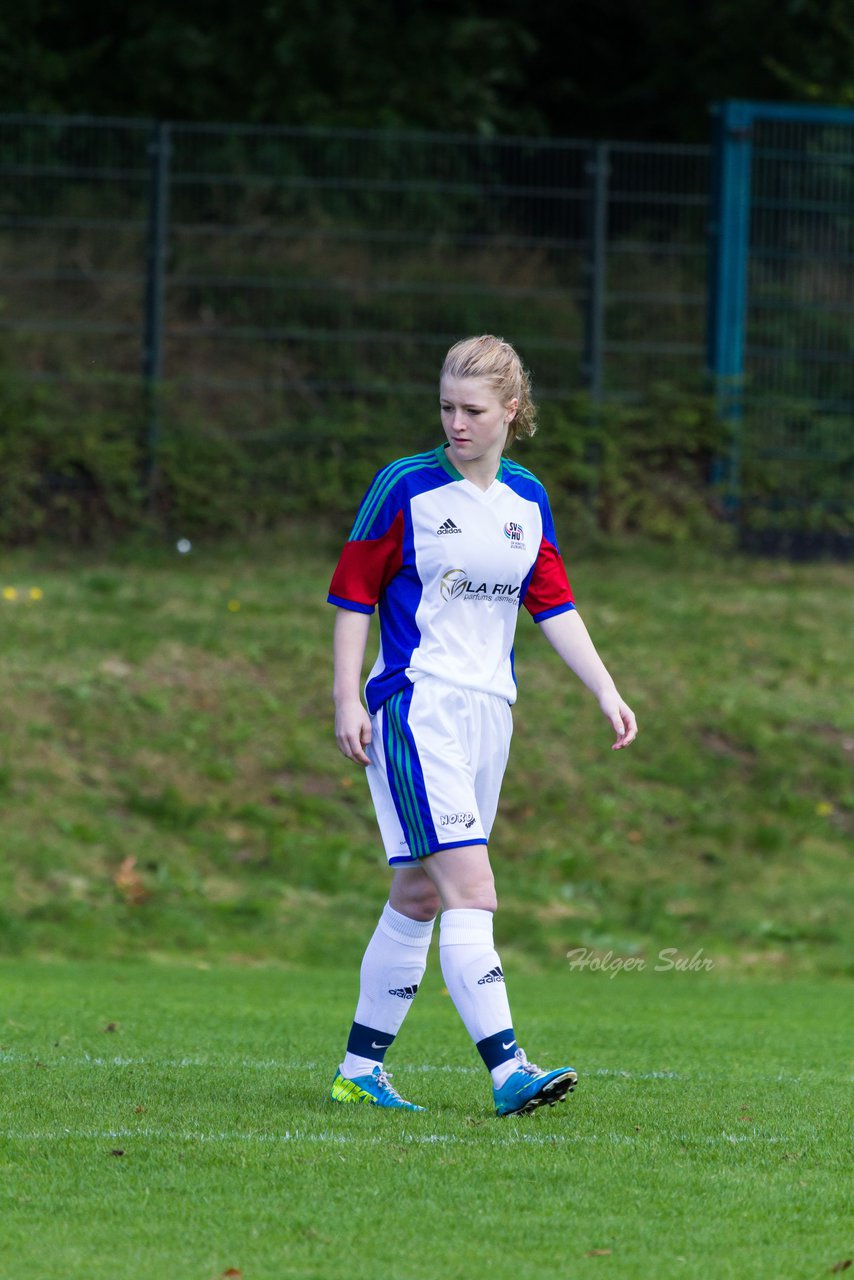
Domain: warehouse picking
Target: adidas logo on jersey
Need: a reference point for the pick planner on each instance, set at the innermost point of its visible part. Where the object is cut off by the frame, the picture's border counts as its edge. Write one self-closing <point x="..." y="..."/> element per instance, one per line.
<point x="405" y="993"/>
<point x="448" y="527"/>
<point x="494" y="975"/>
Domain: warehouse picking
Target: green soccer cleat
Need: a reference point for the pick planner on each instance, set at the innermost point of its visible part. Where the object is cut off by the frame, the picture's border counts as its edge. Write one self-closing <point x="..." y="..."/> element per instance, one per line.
<point x="376" y="1090"/>
<point x="529" y="1088"/>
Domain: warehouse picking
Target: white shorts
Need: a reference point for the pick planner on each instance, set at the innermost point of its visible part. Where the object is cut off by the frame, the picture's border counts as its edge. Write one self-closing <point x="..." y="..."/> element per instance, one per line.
<point x="438" y="755"/>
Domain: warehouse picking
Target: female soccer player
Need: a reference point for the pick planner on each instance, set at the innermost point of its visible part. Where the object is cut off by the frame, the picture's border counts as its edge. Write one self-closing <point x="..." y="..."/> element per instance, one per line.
<point x="449" y="544"/>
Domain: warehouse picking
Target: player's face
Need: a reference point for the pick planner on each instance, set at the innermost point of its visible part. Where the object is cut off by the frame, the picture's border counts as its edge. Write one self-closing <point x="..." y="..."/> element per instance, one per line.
<point x="474" y="420"/>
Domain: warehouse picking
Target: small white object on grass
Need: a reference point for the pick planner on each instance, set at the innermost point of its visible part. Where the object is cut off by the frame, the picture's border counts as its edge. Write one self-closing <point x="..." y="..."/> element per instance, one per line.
<point x="184" y="545"/>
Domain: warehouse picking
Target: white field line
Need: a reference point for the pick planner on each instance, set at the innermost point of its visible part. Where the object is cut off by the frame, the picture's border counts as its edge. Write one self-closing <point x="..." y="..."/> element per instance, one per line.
<point x="276" y="1064"/>
<point x="289" y="1064"/>
<point x="177" y="1064"/>
<point x="753" y="1137"/>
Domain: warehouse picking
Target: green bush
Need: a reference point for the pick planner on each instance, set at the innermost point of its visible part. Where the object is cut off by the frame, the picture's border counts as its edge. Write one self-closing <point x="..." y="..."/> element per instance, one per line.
<point x="63" y="474"/>
<point x="202" y="480"/>
<point x="83" y="474"/>
<point x="632" y="469"/>
<point x="796" y="477"/>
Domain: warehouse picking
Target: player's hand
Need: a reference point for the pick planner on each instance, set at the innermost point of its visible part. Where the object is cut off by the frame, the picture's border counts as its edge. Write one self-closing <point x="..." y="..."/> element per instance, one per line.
<point x="352" y="730"/>
<point x="621" y="717"/>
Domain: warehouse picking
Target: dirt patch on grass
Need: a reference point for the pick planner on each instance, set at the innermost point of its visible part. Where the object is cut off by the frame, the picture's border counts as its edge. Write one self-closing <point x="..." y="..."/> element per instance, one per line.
<point x="721" y="744"/>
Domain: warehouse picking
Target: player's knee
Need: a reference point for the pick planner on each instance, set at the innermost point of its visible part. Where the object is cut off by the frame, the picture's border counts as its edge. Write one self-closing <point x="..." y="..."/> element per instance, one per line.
<point x="486" y="900"/>
<point x="419" y="901"/>
<point x="426" y="906"/>
<point x="477" y="895"/>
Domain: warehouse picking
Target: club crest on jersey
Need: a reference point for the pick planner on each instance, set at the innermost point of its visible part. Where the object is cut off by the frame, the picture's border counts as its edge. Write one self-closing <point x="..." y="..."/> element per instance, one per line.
<point x="456" y="584"/>
<point x="515" y="535"/>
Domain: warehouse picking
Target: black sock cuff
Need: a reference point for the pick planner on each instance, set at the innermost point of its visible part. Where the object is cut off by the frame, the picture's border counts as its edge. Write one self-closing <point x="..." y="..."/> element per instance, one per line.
<point x="367" y="1042"/>
<point x="498" y="1048"/>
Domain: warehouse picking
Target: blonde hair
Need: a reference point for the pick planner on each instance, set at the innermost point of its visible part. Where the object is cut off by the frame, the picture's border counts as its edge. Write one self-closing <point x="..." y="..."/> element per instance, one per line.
<point x="496" y="361"/>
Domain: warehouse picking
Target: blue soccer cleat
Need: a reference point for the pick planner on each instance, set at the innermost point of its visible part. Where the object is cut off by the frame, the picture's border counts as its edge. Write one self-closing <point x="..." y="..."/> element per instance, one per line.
<point x="529" y="1088"/>
<point x="376" y="1090"/>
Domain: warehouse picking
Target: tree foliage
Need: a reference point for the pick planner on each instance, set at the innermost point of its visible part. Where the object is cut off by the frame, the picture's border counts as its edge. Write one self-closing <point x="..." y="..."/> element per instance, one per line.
<point x="619" y="68"/>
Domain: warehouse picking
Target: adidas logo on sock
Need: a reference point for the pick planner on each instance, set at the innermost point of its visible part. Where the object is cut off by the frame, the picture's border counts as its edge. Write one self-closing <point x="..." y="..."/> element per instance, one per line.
<point x="405" y="993"/>
<point x="449" y="527"/>
<point x="494" y="975"/>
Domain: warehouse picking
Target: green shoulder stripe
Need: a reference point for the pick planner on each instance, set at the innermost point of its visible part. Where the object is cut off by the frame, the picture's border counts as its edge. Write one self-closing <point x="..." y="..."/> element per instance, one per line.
<point x="516" y="469"/>
<point x="382" y="487"/>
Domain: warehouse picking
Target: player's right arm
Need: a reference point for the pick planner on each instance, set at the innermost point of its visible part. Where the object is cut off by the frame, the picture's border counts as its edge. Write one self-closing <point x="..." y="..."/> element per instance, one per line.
<point x="371" y="557"/>
<point x="352" y="722"/>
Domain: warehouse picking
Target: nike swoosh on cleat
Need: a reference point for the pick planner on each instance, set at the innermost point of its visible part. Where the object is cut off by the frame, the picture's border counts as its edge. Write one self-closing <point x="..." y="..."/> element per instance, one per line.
<point x="374" y="1045"/>
<point x="507" y="1046"/>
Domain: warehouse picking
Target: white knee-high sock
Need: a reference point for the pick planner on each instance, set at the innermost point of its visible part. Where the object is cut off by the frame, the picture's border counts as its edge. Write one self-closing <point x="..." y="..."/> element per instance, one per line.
<point x="392" y="969"/>
<point x="475" y="981"/>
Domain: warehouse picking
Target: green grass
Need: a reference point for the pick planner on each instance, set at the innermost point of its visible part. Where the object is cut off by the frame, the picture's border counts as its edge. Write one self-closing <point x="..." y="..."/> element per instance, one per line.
<point x="145" y="720"/>
<point x="163" y="1120"/>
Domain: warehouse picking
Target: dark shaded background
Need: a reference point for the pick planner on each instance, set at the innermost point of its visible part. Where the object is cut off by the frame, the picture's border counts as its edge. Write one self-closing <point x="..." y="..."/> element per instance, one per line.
<point x="643" y="69"/>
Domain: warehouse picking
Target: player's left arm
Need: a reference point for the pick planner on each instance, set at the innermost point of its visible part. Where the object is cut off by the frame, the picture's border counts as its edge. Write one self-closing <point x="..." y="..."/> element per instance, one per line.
<point x="570" y="639"/>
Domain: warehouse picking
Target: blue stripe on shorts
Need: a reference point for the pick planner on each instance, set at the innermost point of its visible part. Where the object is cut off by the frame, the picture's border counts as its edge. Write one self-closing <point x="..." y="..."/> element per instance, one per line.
<point x="405" y="777"/>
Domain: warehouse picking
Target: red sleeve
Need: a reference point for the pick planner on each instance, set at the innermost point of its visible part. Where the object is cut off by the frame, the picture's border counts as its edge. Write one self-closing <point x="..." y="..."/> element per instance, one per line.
<point x="366" y="568"/>
<point x="548" y="589"/>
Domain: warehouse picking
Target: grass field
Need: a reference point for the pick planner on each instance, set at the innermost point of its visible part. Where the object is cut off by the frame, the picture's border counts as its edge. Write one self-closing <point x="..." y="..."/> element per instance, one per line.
<point x="174" y="1121"/>
<point x="169" y="782"/>
<point x="170" y="790"/>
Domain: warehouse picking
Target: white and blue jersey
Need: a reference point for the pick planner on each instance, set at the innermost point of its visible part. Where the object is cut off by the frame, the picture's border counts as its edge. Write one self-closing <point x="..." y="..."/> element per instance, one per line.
<point x="449" y="564"/>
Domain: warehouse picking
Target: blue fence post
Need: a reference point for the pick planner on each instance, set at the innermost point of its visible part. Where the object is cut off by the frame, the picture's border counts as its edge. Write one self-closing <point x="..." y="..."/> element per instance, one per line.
<point x="727" y="296"/>
<point x="155" y="287"/>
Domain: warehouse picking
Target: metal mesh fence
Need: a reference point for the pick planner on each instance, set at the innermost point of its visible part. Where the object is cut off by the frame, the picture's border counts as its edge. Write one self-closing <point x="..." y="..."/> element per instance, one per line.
<point x="246" y="274"/>
<point x="801" y="277"/>
<point x="298" y="263"/>
<point x="798" y="445"/>
<point x="73" y="225"/>
<point x="339" y="262"/>
<point x="656" y="294"/>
